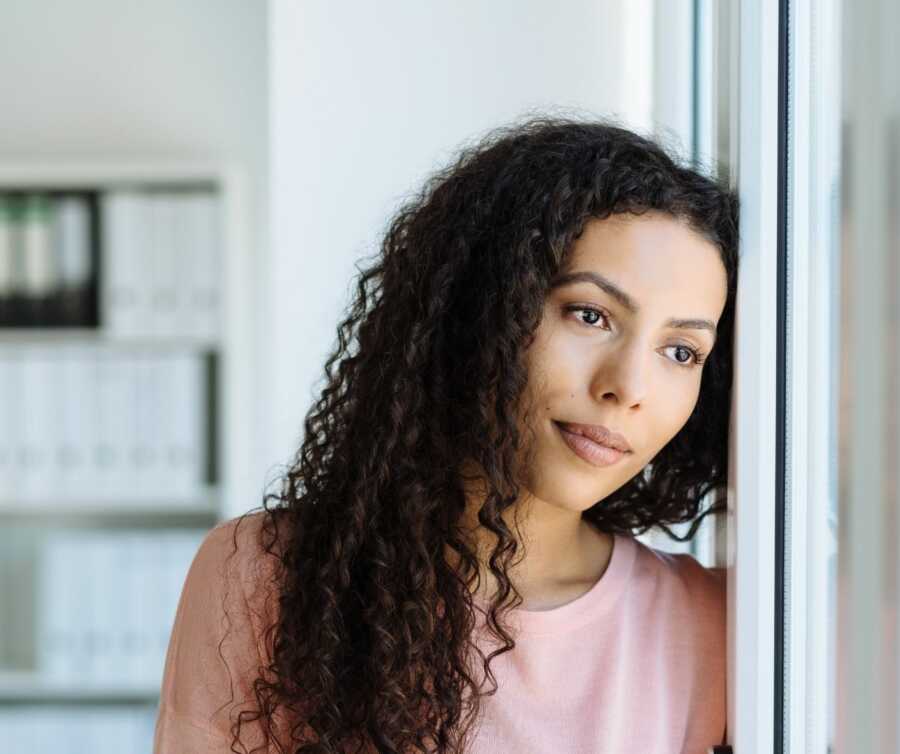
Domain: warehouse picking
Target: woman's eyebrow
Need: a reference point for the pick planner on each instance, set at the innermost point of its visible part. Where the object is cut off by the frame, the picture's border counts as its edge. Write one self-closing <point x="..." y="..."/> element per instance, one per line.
<point x="607" y="285"/>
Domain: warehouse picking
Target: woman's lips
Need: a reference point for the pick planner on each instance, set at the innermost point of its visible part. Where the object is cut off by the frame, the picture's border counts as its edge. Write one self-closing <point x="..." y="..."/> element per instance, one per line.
<point x="592" y="452"/>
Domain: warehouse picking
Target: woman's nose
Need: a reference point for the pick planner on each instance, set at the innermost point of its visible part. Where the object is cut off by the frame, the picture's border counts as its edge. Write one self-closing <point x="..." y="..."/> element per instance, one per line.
<point x="622" y="375"/>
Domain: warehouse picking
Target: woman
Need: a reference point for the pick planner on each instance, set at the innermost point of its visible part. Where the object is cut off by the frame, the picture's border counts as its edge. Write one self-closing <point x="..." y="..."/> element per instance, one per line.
<point x="536" y="368"/>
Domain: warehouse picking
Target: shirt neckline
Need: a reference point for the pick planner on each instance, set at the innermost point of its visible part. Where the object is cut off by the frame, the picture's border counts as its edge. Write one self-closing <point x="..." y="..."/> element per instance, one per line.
<point x="594" y="603"/>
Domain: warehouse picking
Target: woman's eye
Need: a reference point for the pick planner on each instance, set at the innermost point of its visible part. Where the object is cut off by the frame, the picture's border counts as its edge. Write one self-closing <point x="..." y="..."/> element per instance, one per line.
<point x="694" y="358"/>
<point x="593" y="316"/>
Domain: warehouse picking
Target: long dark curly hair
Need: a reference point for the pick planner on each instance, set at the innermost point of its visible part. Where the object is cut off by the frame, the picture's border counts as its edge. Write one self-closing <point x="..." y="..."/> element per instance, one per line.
<point x="373" y="643"/>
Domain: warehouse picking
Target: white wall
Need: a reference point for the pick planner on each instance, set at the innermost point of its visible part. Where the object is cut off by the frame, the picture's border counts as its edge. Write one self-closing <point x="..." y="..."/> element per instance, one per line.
<point x="366" y="103"/>
<point x="119" y="77"/>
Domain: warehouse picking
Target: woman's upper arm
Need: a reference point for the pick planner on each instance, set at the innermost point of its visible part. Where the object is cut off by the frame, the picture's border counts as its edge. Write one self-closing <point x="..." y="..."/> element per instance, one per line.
<point x="214" y="651"/>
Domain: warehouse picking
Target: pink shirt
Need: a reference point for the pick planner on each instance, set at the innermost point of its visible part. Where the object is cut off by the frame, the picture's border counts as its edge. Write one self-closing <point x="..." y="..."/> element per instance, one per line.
<point x="635" y="664"/>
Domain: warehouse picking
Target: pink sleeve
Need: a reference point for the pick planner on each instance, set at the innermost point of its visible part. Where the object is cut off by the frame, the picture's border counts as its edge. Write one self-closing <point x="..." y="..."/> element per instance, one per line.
<point x="215" y="648"/>
<point x="719" y="641"/>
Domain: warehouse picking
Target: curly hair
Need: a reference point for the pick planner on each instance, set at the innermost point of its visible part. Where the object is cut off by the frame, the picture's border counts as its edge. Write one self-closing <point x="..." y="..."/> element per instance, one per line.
<point x="372" y="647"/>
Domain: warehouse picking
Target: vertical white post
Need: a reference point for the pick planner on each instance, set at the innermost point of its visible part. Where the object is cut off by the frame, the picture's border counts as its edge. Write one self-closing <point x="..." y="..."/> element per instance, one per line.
<point x="751" y="499"/>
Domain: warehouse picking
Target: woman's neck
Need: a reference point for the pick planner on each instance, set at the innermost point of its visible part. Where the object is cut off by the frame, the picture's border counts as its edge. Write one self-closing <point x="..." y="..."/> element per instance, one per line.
<point x="564" y="554"/>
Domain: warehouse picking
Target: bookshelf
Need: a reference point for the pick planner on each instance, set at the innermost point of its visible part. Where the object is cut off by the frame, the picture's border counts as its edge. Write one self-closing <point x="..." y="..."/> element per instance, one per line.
<point x="126" y="372"/>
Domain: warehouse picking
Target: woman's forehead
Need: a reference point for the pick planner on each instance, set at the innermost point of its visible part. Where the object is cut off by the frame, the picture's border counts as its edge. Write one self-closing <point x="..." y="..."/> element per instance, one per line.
<point x="642" y="258"/>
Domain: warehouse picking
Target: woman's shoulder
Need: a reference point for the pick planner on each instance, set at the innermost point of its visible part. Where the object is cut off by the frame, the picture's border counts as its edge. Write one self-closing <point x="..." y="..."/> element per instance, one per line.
<point x="220" y="639"/>
<point x="236" y="570"/>
<point x="241" y="537"/>
<point x="700" y="589"/>
<point x="244" y="551"/>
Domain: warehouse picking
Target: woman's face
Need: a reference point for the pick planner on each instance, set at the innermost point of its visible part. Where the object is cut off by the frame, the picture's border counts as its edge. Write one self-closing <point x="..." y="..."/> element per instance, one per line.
<point x="621" y="333"/>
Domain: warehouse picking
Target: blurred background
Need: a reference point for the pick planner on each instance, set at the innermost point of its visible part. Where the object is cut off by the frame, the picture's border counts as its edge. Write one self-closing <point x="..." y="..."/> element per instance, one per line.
<point x="185" y="189"/>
